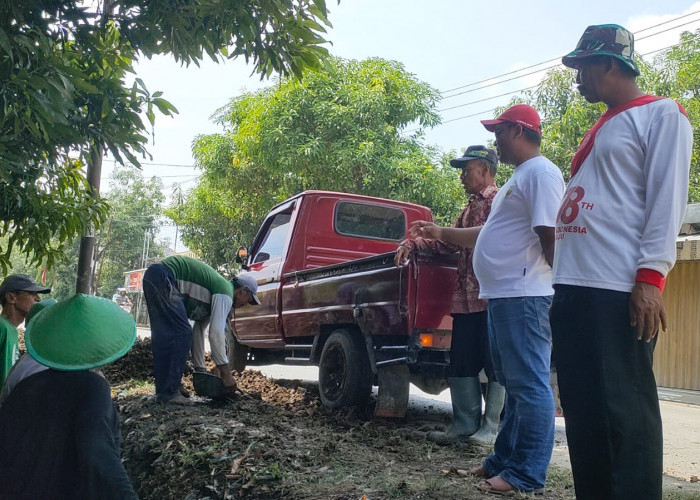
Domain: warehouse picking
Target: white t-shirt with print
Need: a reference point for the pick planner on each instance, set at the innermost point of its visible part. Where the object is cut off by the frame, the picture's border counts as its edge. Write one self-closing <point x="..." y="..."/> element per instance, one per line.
<point x="508" y="257"/>
<point x="623" y="209"/>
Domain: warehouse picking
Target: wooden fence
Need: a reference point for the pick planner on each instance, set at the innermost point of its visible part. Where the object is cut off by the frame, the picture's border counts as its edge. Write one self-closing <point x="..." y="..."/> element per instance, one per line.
<point x="677" y="354"/>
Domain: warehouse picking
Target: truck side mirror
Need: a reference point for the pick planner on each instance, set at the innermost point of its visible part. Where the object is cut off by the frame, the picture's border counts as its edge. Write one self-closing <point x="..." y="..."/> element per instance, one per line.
<point x="242" y="257"/>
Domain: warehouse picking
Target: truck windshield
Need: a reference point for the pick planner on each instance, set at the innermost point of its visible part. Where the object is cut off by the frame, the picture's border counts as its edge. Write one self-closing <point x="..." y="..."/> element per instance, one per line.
<point x="370" y="221"/>
<point x="273" y="242"/>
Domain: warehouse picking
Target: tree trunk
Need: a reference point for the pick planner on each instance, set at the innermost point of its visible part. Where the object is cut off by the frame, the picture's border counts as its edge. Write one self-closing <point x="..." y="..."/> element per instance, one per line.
<point x="87" y="242"/>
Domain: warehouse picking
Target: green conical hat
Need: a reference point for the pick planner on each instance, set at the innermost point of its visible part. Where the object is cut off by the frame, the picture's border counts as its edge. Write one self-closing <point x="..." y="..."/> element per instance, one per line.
<point x="80" y="333"/>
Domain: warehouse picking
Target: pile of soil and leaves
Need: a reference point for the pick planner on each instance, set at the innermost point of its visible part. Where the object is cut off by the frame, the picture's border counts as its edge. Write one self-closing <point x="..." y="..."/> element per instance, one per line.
<point x="275" y="440"/>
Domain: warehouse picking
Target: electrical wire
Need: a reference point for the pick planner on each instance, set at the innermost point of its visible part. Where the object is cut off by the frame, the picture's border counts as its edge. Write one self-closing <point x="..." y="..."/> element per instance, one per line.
<point x="487" y="98"/>
<point x="521" y="90"/>
<point x="180" y="165"/>
<point x="559" y="58"/>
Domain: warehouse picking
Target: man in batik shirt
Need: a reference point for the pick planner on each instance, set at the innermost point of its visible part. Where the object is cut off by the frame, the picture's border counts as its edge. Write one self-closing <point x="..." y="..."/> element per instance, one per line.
<point x="469" y="351"/>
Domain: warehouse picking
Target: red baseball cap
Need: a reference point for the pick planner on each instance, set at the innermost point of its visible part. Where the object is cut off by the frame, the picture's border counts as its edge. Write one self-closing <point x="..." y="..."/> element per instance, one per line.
<point x="522" y="114"/>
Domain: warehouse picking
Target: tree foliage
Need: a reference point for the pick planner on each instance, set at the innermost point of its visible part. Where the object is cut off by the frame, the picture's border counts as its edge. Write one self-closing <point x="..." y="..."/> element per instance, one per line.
<point x="344" y="127"/>
<point x="64" y="97"/>
<point x="678" y="78"/>
<point x="136" y="214"/>
<point x="41" y="211"/>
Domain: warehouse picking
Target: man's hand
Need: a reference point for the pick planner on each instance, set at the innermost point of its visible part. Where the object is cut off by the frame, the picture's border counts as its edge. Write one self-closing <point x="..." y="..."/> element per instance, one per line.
<point x="646" y="310"/>
<point x="425" y="229"/>
<point x="227" y="378"/>
<point x="401" y="256"/>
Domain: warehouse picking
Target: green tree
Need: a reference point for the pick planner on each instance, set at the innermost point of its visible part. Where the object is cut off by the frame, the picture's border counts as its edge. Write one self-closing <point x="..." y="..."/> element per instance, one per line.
<point x="136" y="214"/>
<point x="678" y="78"/>
<point x="342" y="128"/>
<point x="64" y="99"/>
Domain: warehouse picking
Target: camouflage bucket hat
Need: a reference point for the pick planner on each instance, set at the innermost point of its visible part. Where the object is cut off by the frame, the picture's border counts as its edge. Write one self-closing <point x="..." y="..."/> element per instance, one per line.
<point x="604" y="40"/>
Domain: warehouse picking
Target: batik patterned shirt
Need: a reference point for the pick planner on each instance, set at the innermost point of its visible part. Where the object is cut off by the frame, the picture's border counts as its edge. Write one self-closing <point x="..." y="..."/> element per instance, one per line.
<point x="465" y="299"/>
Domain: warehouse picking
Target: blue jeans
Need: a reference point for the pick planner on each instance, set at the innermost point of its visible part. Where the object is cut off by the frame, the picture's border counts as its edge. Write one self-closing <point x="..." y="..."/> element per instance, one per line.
<point x="171" y="333"/>
<point x="521" y="345"/>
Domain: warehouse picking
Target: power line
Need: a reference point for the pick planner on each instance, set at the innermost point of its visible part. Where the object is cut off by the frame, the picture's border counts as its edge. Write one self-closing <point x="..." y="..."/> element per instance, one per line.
<point x="159" y="176"/>
<point x="177" y="165"/>
<point x="507" y="80"/>
<point x="666" y="22"/>
<point x="486" y="99"/>
<point x="534" y="86"/>
<point x="494" y="109"/>
<point x="559" y="58"/>
<point x="669" y="29"/>
<point x="469" y="116"/>
<point x="498" y="76"/>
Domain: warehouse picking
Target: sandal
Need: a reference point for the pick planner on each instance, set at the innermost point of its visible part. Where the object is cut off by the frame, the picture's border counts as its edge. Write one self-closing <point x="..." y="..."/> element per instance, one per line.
<point x="498" y="486"/>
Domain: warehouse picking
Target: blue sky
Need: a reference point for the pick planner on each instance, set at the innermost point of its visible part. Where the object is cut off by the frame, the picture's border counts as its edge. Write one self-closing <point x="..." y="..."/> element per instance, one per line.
<point x="446" y="43"/>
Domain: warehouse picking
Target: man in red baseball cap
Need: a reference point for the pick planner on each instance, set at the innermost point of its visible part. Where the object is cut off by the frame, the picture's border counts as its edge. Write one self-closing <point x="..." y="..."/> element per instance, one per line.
<point x="512" y="259"/>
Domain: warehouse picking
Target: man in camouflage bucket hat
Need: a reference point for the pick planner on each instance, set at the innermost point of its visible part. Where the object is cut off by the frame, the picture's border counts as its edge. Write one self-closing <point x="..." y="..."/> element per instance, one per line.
<point x="615" y="243"/>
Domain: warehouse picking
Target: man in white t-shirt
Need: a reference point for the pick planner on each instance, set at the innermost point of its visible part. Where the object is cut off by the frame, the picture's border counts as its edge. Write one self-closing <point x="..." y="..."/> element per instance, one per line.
<point x="615" y="244"/>
<point x="512" y="261"/>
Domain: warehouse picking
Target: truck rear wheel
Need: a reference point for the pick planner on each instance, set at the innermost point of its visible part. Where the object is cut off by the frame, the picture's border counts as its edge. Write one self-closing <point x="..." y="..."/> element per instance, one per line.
<point x="237" y="352"/>
<point x="344" y="375"/>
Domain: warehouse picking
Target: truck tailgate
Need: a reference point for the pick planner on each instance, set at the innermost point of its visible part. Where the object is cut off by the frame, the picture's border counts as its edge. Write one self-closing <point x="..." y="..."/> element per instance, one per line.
<point x="434" y="280"/>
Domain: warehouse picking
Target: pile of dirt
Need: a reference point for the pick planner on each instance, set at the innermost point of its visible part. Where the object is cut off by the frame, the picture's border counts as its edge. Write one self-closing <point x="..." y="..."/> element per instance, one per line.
<point x="276" y="440"/>
<point x="137" y="364"/>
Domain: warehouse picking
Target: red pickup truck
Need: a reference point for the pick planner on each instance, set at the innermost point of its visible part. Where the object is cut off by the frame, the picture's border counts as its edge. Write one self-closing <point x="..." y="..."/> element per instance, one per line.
<point x="332" y="296"/>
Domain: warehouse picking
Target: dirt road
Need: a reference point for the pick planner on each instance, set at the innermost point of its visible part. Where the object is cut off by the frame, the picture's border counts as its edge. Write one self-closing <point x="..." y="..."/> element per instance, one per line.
<point x="681" y="424"/>
<point x="277" y="441"/>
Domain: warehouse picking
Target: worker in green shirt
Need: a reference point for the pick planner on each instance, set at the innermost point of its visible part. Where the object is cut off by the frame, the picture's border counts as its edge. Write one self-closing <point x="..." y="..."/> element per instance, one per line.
<point x="179" y="289"/>
<point x="18" y="293"/>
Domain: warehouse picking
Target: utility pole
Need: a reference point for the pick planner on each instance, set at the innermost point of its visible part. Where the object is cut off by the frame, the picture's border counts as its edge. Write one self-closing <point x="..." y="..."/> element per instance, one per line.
<point x="175" y="244"/>
<point x="100" y="256"/>
<point x="146" y="248"/>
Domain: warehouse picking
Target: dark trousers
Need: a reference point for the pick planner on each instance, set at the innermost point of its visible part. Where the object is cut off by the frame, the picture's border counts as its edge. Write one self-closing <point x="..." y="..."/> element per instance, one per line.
<point x="469" y="350"/>
<point x="608" y="393"/>
<point x="171" y="333"/>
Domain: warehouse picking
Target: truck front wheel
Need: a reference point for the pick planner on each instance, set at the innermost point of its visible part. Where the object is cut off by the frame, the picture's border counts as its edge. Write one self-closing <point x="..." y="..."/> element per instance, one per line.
<point x="237" y="352"/>
<point x="344" y="375"/>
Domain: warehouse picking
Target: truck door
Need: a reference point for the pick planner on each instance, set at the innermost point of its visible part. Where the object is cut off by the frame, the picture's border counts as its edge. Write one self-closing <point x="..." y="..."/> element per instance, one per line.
<point x="260" y="324"/>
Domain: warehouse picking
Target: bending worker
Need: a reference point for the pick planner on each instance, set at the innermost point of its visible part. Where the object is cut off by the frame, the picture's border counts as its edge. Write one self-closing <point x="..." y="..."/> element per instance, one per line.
<point x="179" y="289"/>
